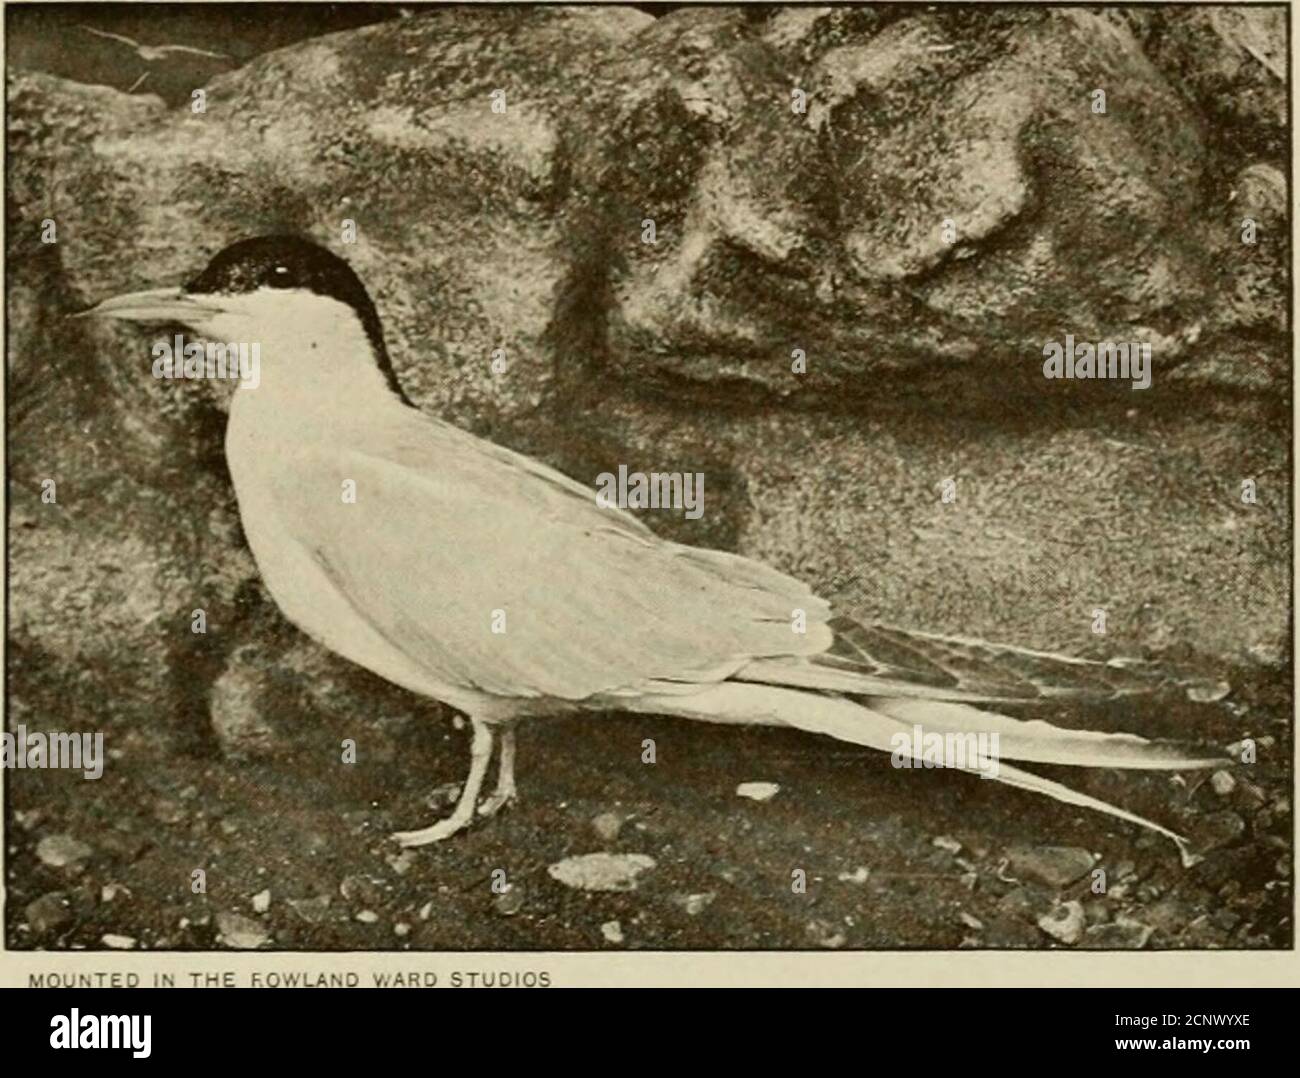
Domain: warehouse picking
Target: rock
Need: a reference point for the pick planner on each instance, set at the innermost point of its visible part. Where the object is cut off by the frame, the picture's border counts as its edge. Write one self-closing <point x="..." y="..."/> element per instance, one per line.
<point x="511" y="902"/>
<point x="947" y="843"/>
<point x="240" y="933"/>
<point x="60" y="851"/>
<point x="824" y="934"/>
<point x="117" y="942"/>
<point x="1117" y="936"/>
<point x="695" y="904"/>
<point x="261" y="901"/>
<point x="601" y="871"/>
<point x="312" y="910"/>
<point x="607" y="825"/>
<point x="859" y="875"/>
<point x="401" y="930"/>
<point x="775" y="231"/>
<point x="758" y="791"/>
<point x="1010" y="932"/>
<point x="48" y="914"/>
<point x="612" y="931"/>
<point x="1065" y="923"/>
<point x="1223" y="783"/>
<point x="1208" y="693"/>
<point x="970" y="920"/>
<point x="1058" y="866"/>
<point x="362" y="889"/>
<point x="367" y="917"/>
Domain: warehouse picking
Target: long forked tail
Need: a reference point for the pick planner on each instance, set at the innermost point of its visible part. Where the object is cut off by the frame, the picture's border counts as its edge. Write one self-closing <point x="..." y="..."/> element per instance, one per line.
<point x="888" y="725"/>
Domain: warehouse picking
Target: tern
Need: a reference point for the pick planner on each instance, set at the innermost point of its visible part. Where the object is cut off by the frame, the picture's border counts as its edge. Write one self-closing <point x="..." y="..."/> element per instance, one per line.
<point x="151" y="53"/>
<point x="484" y="579"/>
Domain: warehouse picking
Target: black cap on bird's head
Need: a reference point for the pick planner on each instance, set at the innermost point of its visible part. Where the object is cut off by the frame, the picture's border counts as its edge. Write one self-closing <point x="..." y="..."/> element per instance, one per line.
<point x="264" y="262"/>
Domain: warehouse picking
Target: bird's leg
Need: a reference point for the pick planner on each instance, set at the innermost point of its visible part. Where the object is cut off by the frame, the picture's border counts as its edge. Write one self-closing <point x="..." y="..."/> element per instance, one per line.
<point x="505" y="791"/>
<point x="480" y="754"/>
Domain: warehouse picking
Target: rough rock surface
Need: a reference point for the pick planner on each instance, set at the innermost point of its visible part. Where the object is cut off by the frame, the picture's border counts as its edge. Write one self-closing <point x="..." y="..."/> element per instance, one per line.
<point x="775" y="230"/>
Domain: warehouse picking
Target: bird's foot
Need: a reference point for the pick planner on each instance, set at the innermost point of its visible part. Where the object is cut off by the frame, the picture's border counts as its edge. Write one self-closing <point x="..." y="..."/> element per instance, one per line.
<point x="443" y="829"/>
<point x="494" y="804"/>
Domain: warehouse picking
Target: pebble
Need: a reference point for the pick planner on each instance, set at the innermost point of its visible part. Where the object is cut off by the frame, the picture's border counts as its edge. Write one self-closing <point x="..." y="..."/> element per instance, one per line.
<point x="401" y="863"/>
<point x="401" y="929"/>
<point x="48" y="913"/>
<point x="59" y="851"/>
<point x="946" y="842"/>
<point x="601" y="871"/>
<point x="859" y="875"/>
<point x="695" y="904"/>
<point x="262" y="901"/>
<point x="118" y="943"/>
<point x="825" y="934"/>
<point x="311" y="910"/>
<point x="758" y="791"/>
<point x="425" y="911"/>
<point x="1118" y="936"/>
<point x="110" y="891"/>
<point x="1208" y="692"/>
<point x="168" y="811"/>
<point x="1223" y="783"/>
<point x="608" y="825"/>
<point x="970" y="920"/>
<point x="239" y="932"/>
<point x="511" y="902"/>
<point x="612" y="931"/>
<point x="364" y="889"/>
<point x="368" y="917"/>
<point x="1057" y="866"/>
<point x="1065" y="923"/>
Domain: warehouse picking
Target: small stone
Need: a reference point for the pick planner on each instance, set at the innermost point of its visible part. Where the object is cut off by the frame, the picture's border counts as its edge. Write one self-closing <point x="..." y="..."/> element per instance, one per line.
<point x="1209" y="692"/>
<point x="758" y="791"/>
<point x="59" y="851"/>
<point x="511" y="902"/>
<point x="311" y="910"/>
<point x="110" y="891"/>
<point x="425" y="911"/>
<point x="168" y="811"/>
<point x="1223" y="783"/>
<point x="970" y="920"/>
<point x="1119" y="936"/>
<point x="363" y="889"/>
<point x="608" y="825"/>
<point x="118" y="943"/>
<point x="612" y="931"/>
<point x="601" y="871"/>
<point x="859" y="875"/>
<point x="824" y="934"/>
<point x="401" y="863"/>
<point x="239" y="932"/>
<point x="368" y="917"/>
<point x="1065" y="923"/>
<point x="48" y="913"/>
<point x="443" y="796"/>
<point x="1057" y="866"/>
<point x="695" y="904"/>
<point x="262" y="901"/>
<point x="946" y="843"/>
<point x="401" y="929"/>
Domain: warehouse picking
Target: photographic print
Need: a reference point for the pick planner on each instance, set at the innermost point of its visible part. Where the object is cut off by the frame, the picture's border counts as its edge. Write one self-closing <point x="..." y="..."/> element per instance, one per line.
<point x="612" y="478"/>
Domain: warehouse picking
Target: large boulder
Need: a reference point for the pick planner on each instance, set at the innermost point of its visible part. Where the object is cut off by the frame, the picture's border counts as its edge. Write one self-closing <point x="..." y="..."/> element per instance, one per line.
<point x="947" y="202"/>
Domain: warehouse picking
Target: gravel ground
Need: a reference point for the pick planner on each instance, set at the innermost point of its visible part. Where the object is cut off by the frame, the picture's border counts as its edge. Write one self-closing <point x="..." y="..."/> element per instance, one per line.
<point x="296" y="857"/>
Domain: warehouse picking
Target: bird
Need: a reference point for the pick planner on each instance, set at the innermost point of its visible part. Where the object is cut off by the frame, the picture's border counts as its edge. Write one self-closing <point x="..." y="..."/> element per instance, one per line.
<point x="487" y="580"/>
<point x="151" y="53"/>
